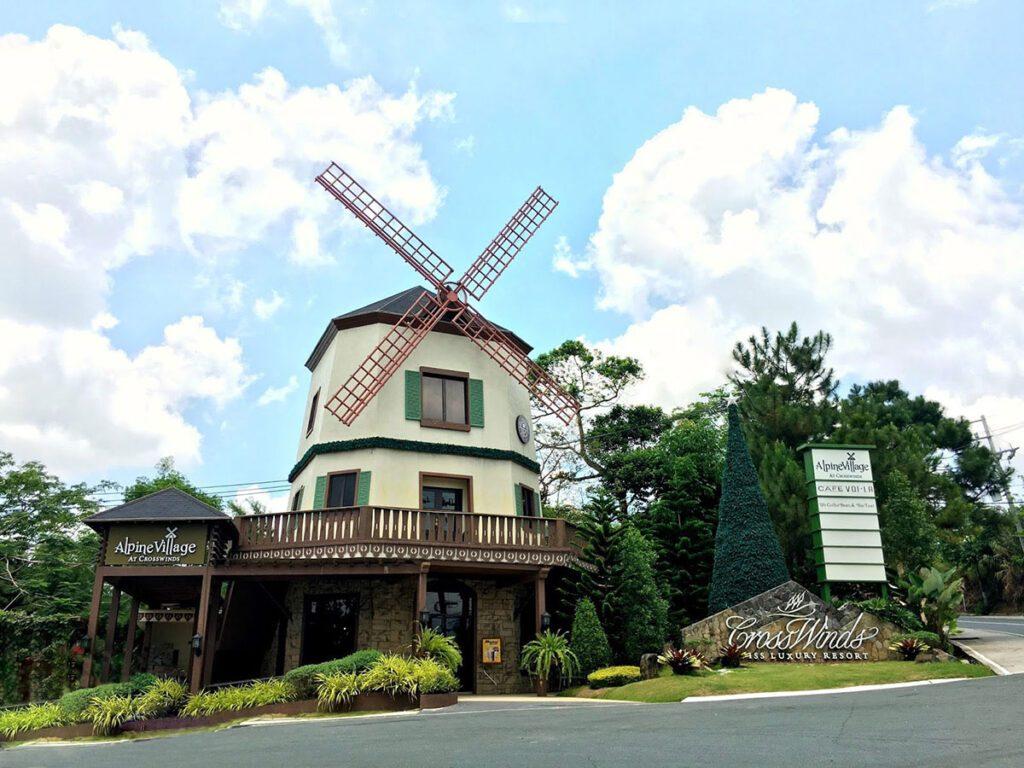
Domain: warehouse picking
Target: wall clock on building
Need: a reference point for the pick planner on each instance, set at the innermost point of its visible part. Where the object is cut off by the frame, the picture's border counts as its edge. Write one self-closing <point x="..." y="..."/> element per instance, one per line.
<point x="523" y="429"/>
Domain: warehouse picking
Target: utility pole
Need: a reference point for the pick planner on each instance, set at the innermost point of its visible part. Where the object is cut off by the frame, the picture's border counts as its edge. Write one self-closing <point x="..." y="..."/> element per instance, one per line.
<point x="1004" y="482"/>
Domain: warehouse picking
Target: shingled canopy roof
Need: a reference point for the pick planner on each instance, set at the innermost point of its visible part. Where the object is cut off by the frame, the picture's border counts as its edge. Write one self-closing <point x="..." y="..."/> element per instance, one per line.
<point x="169" y="504"/>
<point x="388" y="311"/>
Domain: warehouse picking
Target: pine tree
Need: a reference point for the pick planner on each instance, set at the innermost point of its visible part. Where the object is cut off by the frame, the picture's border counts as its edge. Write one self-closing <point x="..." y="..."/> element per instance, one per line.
<point x="589" y="641"/>
<point x="636" y="612"/>
<point x="748" y="558"/>
<point x="598" y="528"/>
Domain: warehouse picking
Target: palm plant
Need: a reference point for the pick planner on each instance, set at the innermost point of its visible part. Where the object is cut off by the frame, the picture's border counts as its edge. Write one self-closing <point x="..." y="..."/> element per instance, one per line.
<point x="431" y="644"/>
<point x="938" y="595"/>
<point x="548" y="651"/>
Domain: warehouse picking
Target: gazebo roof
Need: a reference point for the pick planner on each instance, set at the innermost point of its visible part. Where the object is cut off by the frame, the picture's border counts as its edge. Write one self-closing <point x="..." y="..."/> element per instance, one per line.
<point x="167" y="505"/>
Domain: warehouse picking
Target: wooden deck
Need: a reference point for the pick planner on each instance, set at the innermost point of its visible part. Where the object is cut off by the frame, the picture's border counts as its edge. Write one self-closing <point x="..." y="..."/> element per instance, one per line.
<point x="388" y="533"/>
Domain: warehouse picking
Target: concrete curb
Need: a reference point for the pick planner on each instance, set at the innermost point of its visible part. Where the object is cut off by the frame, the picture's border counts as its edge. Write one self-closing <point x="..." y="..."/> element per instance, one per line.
<point x="982" y="658"/>
<point x="819" y="691"/>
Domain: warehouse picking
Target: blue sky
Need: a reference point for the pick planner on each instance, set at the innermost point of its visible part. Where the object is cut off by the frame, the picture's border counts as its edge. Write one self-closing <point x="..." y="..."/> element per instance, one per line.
<point x="516" y="94"/>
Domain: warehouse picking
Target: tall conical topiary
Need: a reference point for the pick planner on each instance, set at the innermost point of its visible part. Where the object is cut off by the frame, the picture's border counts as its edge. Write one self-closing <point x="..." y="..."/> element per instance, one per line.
<point x="748" y="558"/>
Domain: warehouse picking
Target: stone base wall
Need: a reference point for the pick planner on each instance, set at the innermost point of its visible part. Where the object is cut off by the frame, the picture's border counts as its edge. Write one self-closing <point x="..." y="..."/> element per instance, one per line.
<point x="387" y="611"/>
<point x="786" y="609"/>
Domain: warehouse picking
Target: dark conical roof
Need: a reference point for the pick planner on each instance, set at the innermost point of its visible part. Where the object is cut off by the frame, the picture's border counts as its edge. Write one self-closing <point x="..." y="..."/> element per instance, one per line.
<point x="387" y="310"/>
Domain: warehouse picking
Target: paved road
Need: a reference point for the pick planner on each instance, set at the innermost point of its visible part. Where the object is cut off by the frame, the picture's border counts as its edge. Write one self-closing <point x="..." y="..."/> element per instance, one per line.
<point x="975" y="722"/>
<point x="1000" y="639"/>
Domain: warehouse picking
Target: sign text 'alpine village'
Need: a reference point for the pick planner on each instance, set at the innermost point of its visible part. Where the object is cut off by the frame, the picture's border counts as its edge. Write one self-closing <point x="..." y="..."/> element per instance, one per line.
<point x="156" y="545"/>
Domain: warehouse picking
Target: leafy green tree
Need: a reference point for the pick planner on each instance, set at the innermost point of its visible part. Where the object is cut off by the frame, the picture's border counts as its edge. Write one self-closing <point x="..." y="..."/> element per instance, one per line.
<point x="588" y="639"/>
<point x="168" y="477"/>
<point x="46" y="575"/>
<point x="909" y="535"/>
<point x="636" y="612"/>
<point x="748" y="558"/>
<point x="681" y="523"/>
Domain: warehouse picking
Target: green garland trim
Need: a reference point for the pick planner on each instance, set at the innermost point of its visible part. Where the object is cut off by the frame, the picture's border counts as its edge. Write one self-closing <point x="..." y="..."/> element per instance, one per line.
<point x="417" y="446"/>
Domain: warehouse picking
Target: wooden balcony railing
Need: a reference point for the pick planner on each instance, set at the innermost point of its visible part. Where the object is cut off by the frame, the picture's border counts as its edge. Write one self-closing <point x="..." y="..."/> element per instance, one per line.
<point x="375" y="525"/>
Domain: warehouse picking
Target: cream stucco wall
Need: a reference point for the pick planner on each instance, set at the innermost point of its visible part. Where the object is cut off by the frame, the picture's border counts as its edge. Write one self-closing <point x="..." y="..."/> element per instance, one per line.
<point x="395" y="478"/>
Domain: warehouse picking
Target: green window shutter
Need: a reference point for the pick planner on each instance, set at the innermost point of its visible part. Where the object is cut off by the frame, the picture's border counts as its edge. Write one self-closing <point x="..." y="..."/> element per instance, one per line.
<point x="413" y="403"/>
<point x="517" y="494"/>
<point x="320" y="492"/>
<point x="536" y="504"/>
<point x="363" y="489"/>
<point x="476" y="402"/>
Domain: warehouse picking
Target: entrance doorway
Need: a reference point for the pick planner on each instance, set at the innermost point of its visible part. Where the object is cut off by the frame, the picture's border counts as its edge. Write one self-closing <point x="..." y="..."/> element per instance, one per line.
<point x="451" y="606"/>
<point x="329" y="627"/>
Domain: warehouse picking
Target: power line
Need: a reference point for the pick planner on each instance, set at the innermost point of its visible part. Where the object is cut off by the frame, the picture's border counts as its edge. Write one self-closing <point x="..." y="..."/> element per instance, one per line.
<point x="1006" y="487"/>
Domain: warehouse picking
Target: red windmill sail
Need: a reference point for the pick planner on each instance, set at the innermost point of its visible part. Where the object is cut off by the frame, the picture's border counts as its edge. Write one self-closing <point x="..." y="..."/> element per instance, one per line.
<point x="448" y="301"/>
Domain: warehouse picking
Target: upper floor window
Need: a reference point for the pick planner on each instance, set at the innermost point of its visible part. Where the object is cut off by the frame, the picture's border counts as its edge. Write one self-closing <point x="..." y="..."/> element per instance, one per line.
<point x="341" y="489"/>
<point x="445" y="403"/>
<point x="297" y="501"/>
<point x="312" y="412"/>
<point x="527" y="501"/>
<point x="443" y="499"/>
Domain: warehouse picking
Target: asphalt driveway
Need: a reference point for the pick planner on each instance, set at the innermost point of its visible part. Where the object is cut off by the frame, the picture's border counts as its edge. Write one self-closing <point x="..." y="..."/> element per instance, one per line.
<point x="998" y="640"/>
<point x="975" y="722"/>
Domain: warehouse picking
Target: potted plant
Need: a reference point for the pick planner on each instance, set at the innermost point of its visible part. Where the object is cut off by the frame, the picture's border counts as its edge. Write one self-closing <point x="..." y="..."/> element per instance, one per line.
<point x="548" y="651"/>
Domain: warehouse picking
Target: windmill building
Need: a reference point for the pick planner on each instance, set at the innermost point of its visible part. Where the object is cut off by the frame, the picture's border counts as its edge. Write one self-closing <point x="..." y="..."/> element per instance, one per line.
<point x="414" y="499"/>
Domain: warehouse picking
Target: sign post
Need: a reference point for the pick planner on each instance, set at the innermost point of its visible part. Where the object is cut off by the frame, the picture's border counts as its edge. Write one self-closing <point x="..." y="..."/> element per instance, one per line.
<point x="844" y="515"/>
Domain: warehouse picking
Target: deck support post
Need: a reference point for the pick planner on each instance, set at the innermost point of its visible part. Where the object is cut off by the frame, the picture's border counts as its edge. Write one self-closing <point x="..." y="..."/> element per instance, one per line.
<point x="195" y="678"/>
<point x="108" y="644"/>
<point x="129" y="641"/>
<point x="94" y="620"/>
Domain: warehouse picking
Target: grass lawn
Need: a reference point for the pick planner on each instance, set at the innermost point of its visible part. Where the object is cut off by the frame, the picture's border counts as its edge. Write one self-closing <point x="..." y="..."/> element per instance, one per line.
<point x="757" y="678"/>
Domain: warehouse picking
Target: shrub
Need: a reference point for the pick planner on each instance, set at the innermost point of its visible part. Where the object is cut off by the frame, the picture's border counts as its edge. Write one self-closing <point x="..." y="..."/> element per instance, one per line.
<point x="635" y="597"/>
<point x="434" y="677"/>
<point x="891" y="611"/>
<point x="74" y="703"/>
<point x="683" y="662"/>
<point x="589" y="641"/>
<point x="391" y="674"/>
<point x="612" y="677"/>
<point x="336" y="690"/>
<point x="163" y="698"/>
<point x="432" y="644"/>
<point x="909" y="648"/>
<point x="928" y="638"/>
<point x="546" y="652"/>
<point x="302" y="679"/>
<point x="31" y="718"/>
<point x="937" y="594"/>
<point x="732" y="656"/>
<point x="109" y="713"/>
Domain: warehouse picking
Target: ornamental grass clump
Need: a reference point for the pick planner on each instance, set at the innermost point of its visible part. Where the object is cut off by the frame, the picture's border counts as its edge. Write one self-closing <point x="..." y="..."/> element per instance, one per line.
<point x="434" y="677"/>
<point x="31" y="718"/>
<point x="335" y="691"/>
<point x="165" y="697"/>
<point x="683" y="662"/>
<point x="238" y="698"/>
<point x="432" y="644"/>
<point x="107" y="715"/>
<point x="391" y="674"/>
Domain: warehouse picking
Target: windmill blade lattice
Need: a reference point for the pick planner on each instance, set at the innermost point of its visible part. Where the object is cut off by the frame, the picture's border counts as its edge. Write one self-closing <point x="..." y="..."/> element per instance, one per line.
<point x="492" y="340"/>
<point x="448" y="303"/>
<point x="385" y="224"/>
<point x="496" y="257"/>
<point x="379" y="366"/>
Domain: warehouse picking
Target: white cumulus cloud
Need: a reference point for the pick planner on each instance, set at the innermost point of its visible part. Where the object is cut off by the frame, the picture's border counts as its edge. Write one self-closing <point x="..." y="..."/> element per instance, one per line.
<point x="749" y="216"/>
<point x="105" y="157"/>
<point x="278" y="394"/>
<point x="266" y="308"/>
